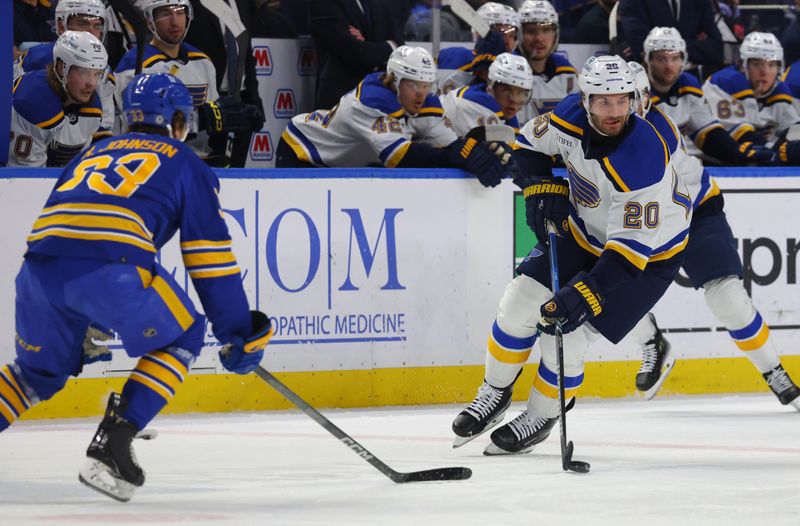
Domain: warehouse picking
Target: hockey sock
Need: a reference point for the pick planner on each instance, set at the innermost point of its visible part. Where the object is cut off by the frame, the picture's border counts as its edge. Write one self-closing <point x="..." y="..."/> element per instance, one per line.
<point x="13" y="400"/>
<point x="543" y="400"/>
<point x="505" y="356"/>
<point x="153" y="383"/>
<point x="753" y="340"/>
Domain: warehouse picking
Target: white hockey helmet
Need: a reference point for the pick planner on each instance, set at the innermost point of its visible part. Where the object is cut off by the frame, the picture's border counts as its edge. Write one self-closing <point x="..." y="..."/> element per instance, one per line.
<point x="606" y="75"/>
<point x="412" y="63"/>
<point x="642" y="88"/>
<point x="79" y="48"/>
<point x="149" y="6"/>
<point x="763" y="46"/>
<point x="495" y="13"/>
<point x="92" y="8"/>
<point x="664" y="39"/>
<point x="512" y="70"/>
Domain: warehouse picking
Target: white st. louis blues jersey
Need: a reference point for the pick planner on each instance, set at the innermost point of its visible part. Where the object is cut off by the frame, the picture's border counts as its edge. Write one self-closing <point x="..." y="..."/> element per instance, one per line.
<point x="191" y="66"/>
<point x="44" y="132"/>
<point x="549" y="88"/>
<point x="367" y="127"/>
<point x="628" y="199"/>
<point x="472" y="106"/>
<point x="38" y="57"/>
<point x="731" y="99"/>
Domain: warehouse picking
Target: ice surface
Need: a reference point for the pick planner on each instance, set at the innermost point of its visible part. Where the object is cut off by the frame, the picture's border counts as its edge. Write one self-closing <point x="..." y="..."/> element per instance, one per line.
<point x="672" y="461"/>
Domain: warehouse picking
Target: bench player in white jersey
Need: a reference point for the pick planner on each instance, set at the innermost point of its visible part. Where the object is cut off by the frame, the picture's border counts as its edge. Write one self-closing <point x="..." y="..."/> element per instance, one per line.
<point x="77" y="15"/>
<point x="623" y="220"/>
<point x="168" y="21"/>
<point x="507" y="90"/>
<point x="750" y="100"/>
<point x="390" y="119"/>
<point x="679" y="95"/>
<point x="553" y="76"/>
<point x="712" y="263"/>
<point x="56" y="110"/>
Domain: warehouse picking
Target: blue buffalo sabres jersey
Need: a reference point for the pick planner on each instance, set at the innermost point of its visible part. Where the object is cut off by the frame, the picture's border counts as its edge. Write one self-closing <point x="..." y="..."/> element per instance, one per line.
<point x="125" y="197"/>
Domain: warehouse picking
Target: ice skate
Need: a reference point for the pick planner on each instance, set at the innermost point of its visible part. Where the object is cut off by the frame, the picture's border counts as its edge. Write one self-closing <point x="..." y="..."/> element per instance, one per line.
<point x="783" y="387"/>
<point x="482" y="414"/>
<point x="111" y="467"/>
<point x="657" y="362"/>
<point x="520" y="435"/>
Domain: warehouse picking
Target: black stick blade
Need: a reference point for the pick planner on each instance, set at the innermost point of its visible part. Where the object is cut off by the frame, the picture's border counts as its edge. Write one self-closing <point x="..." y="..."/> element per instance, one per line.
<point x="573" y="465"/>
<point x="434" y="474"/>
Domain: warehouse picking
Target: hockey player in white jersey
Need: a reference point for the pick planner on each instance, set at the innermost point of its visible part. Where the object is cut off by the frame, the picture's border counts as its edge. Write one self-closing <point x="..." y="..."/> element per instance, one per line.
<point x="168" y="21"/>
<point x="553" y="76"/>
<point x="712" y="263"/>
<point x="77" y="15"/>
<point x="751" y="102"/>
<point x="679" y="95"/>
<point x="390" y="119"/>
<point x="623" y="220"/>
<point x="498" y="101"/>
<point x="56" y="110"/>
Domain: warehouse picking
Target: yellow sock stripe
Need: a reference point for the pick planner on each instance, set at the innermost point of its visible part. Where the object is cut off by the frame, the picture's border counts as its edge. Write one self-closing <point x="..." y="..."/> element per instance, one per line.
<point x="504" y="355"/>
<point x="150" y="384"/>
<point x="756" y="342"/>
<point x="551" y="391"/>
<point x="7" y="413"/>
<point x="160" y="373"/>
<point x="173" y="362"/>
<point x="10" y="377"/>
<point x="173" y="302"/>
<point x="11" y="395"/>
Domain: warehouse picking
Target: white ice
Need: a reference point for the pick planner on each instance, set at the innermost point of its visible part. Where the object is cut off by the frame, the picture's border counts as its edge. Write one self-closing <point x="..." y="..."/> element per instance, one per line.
<point x="673" y="461"/>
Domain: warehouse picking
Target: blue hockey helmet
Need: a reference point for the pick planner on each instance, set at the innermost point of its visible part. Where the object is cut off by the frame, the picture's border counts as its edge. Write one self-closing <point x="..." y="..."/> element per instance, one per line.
<point x="154" y="98"/>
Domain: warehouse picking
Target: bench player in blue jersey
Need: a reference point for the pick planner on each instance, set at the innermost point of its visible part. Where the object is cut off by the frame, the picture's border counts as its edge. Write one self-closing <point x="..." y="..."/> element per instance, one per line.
<point x="711" y="263"/>
<point x="91" y="258"/>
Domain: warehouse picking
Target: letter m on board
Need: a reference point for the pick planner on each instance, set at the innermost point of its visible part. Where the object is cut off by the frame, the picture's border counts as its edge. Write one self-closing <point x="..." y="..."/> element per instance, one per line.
<point x="367" y="253"/>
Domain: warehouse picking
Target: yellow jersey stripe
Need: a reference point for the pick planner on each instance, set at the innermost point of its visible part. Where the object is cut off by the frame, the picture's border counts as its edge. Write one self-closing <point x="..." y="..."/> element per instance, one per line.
<point x="700" y="139"/>
<point x="208" y="258"/>
<point x="173" y="302"/>
<point x="714" y="190"/>
<point x="742" y="94"/>
<point x="741" y="130"/>
<point x="296" y="147"/>
<point x="204" y="244"/>
<point x="781" y="96"/>
<point x="147" y="62"/>
<point x="582" y="242"/>
<point x="201" y="274"/>
<point x="671" y="252"/>
<point x="49" y="122"/>
<point x="91" y="221"/>
<point x="93" y="207"/>
<point x="397" y="155"/>
<point x="561" y="122"/>
<point x="615" y="175"/>
<point x="690" y="89"/>
<point x="93" y="236"/>
<point x="635" y="259"/>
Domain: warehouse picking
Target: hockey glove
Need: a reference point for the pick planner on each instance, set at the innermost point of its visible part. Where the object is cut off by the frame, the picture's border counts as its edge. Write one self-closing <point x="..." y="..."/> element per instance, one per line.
<point x="759" y="155"/>
<point x="94" y="348"/>
<point x="789" y="153"/>
<point x="227" y="114"/>
<point x="486" y="50"/>
<point x="480" y="160"/>
<point x="572" y="305"/>
<point x="241" y="356"/>
<point x="546" y="198"/>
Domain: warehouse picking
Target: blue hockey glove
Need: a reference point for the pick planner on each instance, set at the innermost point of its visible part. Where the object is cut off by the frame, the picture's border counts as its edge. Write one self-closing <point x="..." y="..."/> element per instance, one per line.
<point x="759" y="155"/>
<point x="789" y="153"/>
<point x="241" y="356"/>
<point x="546" y="198"/>
<point x="486" y="50"/>
<point x="478" y="159"/>
<point x="572" y="305"/>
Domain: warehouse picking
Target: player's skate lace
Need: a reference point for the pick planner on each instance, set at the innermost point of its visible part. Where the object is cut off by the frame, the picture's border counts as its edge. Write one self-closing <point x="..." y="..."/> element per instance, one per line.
<point x="487" y="399"/>
<point x="649" y="357"/>
<point x="779" y="381"/>
<point x="523" y="426"/>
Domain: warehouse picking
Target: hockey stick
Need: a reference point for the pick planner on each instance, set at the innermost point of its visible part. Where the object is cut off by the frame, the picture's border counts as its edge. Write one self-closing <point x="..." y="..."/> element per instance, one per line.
<point x="457" y="473"/>
<point x="134" y="18"/>
<point x="465" y="12"/>
<point x="566" y="447"/>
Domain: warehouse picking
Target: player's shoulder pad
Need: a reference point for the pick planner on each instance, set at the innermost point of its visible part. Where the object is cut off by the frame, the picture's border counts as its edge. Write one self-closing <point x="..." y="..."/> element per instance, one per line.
<point x="194" y="53"/>
<point x="38" y="57"/>
<point x="432" y="107"/>
<point x="689" y="85"/>
<point x="562" y="65"/>
<point x="372" y="93"/>
<point x="733" y="82"/>
<point x="459" y="58"/>
<point x="639" y="160"/>
<point x="36" y="101"/>
<point x="780" y="94"/>
<point x="665" y="127"/>
<point x="93" y="108"/>
<point x="477" y="93"/>
<point x="151" y="55"/>
<point x="569" y="116"/>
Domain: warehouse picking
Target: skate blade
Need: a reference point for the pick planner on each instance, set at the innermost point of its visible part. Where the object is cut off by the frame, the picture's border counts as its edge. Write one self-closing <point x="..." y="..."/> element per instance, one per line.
<point x="459" y="441"/>
<point x="669" y="363"/>
<point x="98" y="476"/>
<point x="795" y="403"/>
<point x="492" y="450"/>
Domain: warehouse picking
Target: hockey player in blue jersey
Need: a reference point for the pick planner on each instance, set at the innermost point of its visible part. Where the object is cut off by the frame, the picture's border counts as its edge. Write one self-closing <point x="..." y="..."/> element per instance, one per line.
<point x="711" y="263"/>
<point x="91" y="258"/>
<point x="623" y="219"/>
